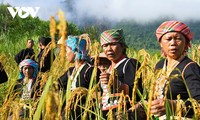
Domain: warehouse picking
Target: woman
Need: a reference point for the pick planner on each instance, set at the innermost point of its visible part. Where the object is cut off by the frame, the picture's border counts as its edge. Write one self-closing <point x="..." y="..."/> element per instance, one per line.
<point x="28" y="75"/>
<point x="114" y="47"/>
<point x="81" y="73"/>
<point x="176" y="68"/>
<point x="26" y="87"/>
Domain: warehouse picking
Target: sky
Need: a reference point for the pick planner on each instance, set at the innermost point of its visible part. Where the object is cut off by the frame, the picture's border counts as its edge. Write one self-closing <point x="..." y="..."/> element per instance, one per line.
<point x="115" y="10"/>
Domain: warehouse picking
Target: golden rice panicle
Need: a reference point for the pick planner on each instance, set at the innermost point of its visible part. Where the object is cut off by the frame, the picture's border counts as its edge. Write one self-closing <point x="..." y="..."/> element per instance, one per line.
<point x="95" y="54"/>
<point x="196" y="108"/>
<point x="134" y="92"/>
<point x="144" y="57"/>
<point x="3" y="58"/>
<point x="62" y="27"/>
<point x="46" y="51"/>
<point x="146" y="70"/>
<point x="6" y="108"/>
<point x="110" y="114"/>
<point x="178" y="108"/>
<point x="16" y="113"/>
<point x="62" y="52"/>
<point x="51" y="106"/>
<point x="52" y="31"/>
<point x="113" y="77"/>
<point x="95" y="48"/>
<point x="121" y="113"/>
<point x="151" y="97"/>
<point x="74" y="99"/>
<point x="76" y="93"/>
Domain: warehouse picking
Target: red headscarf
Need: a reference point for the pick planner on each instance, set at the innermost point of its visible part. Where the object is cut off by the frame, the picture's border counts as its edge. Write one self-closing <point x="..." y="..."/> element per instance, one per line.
<point x="174" y="26"/>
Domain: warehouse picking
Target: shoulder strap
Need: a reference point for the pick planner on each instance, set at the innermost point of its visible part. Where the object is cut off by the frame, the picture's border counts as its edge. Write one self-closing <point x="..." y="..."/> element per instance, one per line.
<point x="182" y="74"/>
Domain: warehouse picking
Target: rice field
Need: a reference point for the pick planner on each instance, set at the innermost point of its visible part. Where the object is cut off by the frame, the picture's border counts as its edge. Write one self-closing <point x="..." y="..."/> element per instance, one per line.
<point x="48" y="105"/>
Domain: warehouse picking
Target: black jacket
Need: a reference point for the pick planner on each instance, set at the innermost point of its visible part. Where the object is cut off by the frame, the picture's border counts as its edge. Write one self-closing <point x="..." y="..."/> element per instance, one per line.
<point x="191" y="75"/>
<point x="83" y="77"/>
<point x="47" y="61"/>
<point x="27" y="53"/>
<point x="35" y="88"/>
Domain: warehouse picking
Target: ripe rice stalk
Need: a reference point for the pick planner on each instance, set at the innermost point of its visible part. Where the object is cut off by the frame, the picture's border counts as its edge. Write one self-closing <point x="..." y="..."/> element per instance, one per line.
<point x="51" y="105"/>
<point x="151" y="95"/>
<point x="95" y="48"/>
<point x="62" y="27"/>
<point x="144" y="56"/>
<point x="46" y="51"/>
<point x="52" y="27"/>
<point x="178" y="108"/>
<point x="91" y="91"/>
<point x="40" y="106"/>
<point x="75" y="97"/>
<point x="121" y="113"/>
<point x="196" y="108"/>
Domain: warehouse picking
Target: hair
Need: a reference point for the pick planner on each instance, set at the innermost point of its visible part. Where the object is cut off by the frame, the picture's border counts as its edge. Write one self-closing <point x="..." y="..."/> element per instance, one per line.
<point x="30" y="40"/>
<point x="44" y="40"/>
<point x="125" y="47"/>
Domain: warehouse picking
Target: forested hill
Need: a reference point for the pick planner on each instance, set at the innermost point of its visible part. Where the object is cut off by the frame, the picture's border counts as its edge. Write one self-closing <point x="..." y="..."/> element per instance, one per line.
<point x="137" y="36"/>
<point x="140" y="36"/>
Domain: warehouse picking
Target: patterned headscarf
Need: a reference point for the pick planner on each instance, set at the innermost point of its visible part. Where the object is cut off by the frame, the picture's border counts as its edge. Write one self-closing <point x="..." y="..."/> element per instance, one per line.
<point x="174" y="26"/>
<point x="113" y="35"/>
<point x="28" y="62"/>
<point x="79" y="46"/>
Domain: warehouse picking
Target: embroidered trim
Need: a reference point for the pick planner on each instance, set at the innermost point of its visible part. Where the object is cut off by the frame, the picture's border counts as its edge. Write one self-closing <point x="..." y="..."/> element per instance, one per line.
<point x="125" y="66"/>
<point x="86" y="72"/>
<point x="182" y="74"/>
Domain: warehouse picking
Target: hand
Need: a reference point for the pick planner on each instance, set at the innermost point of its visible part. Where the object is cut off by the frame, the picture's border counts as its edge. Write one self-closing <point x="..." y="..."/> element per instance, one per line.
<point x="158" y="107"/>
<point x="104" y="78"/>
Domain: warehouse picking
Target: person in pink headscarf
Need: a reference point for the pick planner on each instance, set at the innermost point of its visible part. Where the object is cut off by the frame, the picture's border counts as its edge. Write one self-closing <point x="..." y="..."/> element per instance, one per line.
<point x="179" y="75"/>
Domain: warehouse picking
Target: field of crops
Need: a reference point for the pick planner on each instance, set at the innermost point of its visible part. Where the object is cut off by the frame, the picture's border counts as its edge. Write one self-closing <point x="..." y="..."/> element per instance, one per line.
<point x="49" y="105"/>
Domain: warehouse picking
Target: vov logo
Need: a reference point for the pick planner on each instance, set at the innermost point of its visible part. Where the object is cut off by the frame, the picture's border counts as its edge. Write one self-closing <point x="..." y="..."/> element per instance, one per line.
<point x="23" y="12"/>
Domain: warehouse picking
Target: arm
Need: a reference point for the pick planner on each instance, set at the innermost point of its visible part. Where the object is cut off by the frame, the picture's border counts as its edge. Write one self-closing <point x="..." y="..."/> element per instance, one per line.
<point x="18" y="56"/>
<point x="62" y="81"/>
<point x="130" y="77"/>
<point x="192" y="79"/>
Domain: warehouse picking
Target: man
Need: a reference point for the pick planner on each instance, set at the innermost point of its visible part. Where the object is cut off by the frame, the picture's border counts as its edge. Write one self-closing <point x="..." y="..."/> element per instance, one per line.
<point x="27" y="53"/>
<point x="44" y="58"/>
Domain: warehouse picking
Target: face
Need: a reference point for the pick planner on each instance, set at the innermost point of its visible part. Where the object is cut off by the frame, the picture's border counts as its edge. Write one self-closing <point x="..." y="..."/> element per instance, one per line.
<point x="28" y="71"/>
<point x="113" y="51"/>
<point x="70" y="55"/>
<point x="30" y="43"/>
<point x="173" y="44"/>
<point x="40" y="46"/>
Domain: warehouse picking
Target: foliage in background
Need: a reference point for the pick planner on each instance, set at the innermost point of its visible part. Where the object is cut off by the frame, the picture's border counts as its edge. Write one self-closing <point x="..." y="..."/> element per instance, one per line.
<point x="13" y="37"/>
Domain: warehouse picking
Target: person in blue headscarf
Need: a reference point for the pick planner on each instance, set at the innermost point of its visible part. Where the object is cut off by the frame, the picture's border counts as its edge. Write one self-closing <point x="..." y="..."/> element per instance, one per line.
<point x="27" y="86"/>
<point x="27" y="78"/>
<point x="77" y="52"/>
